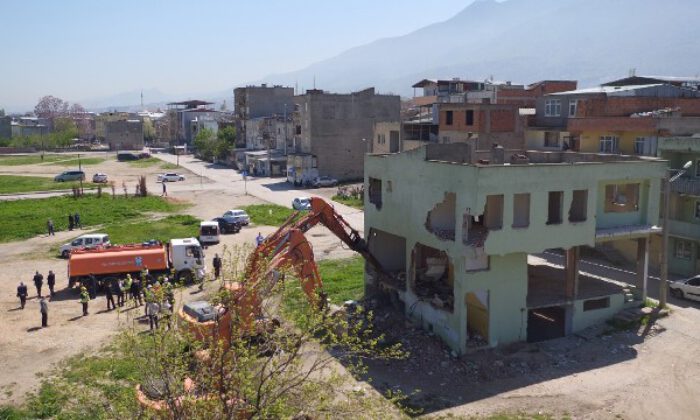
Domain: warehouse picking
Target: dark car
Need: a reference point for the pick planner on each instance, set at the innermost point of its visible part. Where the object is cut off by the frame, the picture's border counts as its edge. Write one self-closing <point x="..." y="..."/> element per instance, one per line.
<point x="126" y="156"/>
<point x="70" y="176"/>
<point x="227" y="226"/>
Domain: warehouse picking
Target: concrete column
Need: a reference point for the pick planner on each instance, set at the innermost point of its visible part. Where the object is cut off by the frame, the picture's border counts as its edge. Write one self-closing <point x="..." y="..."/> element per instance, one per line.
<point x="643" y="265"/>
<point x="571" y="268"/>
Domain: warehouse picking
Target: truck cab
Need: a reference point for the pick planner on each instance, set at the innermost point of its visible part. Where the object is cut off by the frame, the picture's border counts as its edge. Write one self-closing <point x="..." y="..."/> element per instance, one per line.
<point x="187" y="259"/>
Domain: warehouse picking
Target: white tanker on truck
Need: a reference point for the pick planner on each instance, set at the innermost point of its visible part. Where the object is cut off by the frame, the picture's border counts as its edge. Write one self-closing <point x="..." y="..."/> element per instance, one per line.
<point x="183" y="256"/>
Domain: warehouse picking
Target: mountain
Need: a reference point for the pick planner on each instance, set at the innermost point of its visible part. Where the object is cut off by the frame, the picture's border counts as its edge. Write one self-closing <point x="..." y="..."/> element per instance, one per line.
<point x="591" y="41"/>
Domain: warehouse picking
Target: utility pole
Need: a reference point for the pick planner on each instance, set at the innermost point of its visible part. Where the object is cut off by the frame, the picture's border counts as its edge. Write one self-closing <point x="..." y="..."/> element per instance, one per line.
<point x="663" y="283"/>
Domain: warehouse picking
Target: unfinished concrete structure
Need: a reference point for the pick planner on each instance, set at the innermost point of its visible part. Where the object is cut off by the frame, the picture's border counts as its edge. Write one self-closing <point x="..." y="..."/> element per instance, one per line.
<point x="484" y="124"/>
<point x="463" y="252"/>
<point x="124" y="134"/>
<point x="253" y="102"/>
<point x="337" y="130"/>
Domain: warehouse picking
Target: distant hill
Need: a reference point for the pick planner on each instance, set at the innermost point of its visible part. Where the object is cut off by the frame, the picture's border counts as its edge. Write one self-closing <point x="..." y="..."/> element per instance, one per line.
<point x="524" y="41"/>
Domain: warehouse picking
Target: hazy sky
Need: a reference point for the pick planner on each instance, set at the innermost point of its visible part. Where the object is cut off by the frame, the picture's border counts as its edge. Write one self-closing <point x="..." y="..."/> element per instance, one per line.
<point x="84" y="49"/>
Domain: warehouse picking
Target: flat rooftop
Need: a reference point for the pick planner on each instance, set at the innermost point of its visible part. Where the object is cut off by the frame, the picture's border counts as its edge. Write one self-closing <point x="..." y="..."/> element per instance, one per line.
<point x="465" y="154"/>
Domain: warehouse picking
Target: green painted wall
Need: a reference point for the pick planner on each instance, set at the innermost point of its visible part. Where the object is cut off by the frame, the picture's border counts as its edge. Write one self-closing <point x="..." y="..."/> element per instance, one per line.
<point x="418" y="185"/>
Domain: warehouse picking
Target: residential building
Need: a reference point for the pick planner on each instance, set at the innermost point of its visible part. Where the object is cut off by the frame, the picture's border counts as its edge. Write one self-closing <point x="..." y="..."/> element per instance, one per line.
<point x="5" y="127"/>
<point x="124" y="134"/>
<point x="267" y="141"/>
<point x="102" y="119"/>
<point x="626" y="119"/>
<point x="336" y="130"/>
<point x="684" y="207"/>
<point x="187" y="117"/>
<point x="260" y="101"/>
<point x="31" y="126"/>
<point x="464" y="259"/>
<point x="484" y="124"/>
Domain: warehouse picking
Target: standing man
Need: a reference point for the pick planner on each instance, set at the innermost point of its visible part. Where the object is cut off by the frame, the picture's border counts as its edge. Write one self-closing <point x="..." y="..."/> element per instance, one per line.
<point x="152" y="307"/>
<point x="51" y="281"/>
<point x="49" y="225"/>
<point x="38" y="283"/>
<point x="77" y="221"/>
<point x="136" y="292"/>
<point x="165" y="190"/>
<point x="22" y="294"/>
<point x="127" y="287"/>
<point x="44" y="308"/>
<point x="84" y="299"/>
<point x="109" y="296"/>
<point x="118" y="288"/>
<point x="71" y="222"/>
<point x="259" y="239"/>
<point x="217" y="266"/>
<point x="92" y="286"/>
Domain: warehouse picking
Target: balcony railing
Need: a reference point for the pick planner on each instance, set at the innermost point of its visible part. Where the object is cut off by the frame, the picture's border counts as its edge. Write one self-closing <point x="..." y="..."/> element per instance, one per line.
<point x="690" y="186"/>
<point x="683" y="229"/>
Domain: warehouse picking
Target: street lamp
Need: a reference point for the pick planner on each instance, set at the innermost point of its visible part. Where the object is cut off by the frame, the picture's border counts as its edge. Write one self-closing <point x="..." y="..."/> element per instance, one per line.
<point x="663" y="284"/>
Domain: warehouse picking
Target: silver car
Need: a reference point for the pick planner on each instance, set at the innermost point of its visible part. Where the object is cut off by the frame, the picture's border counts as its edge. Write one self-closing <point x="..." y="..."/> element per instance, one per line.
<point x="237" y="216"/>
<point x="686" y="288"/>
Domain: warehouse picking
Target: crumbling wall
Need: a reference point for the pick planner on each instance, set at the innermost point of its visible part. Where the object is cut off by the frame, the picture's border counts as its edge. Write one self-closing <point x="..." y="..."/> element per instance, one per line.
<point x="442" y="219"/>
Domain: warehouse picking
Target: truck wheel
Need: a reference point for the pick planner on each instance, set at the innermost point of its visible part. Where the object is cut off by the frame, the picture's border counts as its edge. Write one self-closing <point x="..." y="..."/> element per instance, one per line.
<point x="185" y="277"/>
<point x="65" y="254"/>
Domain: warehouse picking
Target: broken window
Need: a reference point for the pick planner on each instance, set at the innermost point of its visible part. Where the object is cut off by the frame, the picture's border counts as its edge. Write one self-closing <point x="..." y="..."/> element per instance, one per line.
<point x="593" y="304"/>
<point x="521" y="210"/>
<point x="477" y="318"/>
<point x="433" y="278"/>
<point x="448" y="117"/>
<point x="390" y="252"/>
<point x="579" y="206"/>
<point x="493" y="214"/>
<point x="470" y="117"/>
<point x="554" y="208"/>
<point x="474" y="231"/>
<point x="375" y="192"/>
<point x="441" y="220"/>
<point x="621" y="198"/>
<point x="298" y="130"/>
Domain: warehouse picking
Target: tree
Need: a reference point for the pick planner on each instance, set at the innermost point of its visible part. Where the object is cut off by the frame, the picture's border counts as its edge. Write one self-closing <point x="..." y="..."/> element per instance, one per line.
<point x="285" y="371"/>
<point x="50" y="107"/>
<point x="205" y="143"/>
<point x="149" y="132"/>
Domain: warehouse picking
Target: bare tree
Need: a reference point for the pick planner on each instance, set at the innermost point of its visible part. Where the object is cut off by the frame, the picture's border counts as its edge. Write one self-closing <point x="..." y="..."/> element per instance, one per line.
<point x="51" y="107"/>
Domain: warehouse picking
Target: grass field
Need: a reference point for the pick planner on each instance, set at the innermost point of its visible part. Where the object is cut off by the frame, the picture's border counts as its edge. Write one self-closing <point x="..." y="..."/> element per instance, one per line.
<point x="357" y="203"/>
<point x="27" y="218"/>
<point x="268" y="214"/>
<point x="10" y="184"/>
<point x="83" y="161"/>
<point x="178" y="226"/>
<point x="150" y="162"/>
<point x="108" y="378"/>
<point x="343" y="279"/>
<point x="32" y="159"/>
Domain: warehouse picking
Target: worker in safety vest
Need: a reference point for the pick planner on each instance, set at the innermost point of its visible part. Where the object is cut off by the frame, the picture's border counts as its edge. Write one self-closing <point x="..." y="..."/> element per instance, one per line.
<point x="144" y="276"/>
<point x="127" y="287"/>
<point x="84" y="299"/>
<point x="168" y="292"/>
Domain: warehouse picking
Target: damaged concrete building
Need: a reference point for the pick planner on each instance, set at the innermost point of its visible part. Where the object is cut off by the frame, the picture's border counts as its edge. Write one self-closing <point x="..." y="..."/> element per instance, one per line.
<point x="463" y="234"/>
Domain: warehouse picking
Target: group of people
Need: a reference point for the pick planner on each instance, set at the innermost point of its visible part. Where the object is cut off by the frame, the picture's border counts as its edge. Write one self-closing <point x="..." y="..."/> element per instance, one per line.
<point x="23" y="294"/>
<point x="73" y="223"/>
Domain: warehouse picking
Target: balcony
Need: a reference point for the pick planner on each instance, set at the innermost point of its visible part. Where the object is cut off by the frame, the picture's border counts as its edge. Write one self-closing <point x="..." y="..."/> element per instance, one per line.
<point x="686" y="185"/>
<point x="686" y="230"/>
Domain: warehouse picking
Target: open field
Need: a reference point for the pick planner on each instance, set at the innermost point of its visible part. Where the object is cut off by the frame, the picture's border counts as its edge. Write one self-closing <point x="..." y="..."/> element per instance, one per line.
<point x="353" y="202"/>
<point x="55" y="159"/>
<point x="151" y="163"/>
<point x="27" y="218"/>
<point x="268" y="214"/>
<point x="177" y="226"/>
<point x="11" y="184"/>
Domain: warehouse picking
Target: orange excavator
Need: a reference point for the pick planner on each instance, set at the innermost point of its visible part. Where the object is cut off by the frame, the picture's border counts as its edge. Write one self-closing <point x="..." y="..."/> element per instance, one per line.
<point x="287" y="248"/>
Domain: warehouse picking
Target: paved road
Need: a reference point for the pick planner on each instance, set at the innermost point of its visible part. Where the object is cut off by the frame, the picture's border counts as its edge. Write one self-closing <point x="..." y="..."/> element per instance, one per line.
<point x="273" y="190"/>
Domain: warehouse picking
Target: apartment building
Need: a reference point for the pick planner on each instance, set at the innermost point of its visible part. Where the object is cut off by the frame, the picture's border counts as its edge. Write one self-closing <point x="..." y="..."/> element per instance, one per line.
<point x="334" y="132"/>
<point x="464" y="259"/>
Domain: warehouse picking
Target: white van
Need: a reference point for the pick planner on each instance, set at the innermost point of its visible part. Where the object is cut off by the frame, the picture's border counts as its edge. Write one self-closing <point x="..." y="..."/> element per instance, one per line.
<point x="89" y="240"/>
<point x="209" y="233"/>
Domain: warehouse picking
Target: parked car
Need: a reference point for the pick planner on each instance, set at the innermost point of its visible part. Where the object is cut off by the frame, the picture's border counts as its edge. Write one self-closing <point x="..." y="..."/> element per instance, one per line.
<point x="237" y="216"/>
<point x="170" y="177"/>
<point x="99" y="177"/>
<point x="90" y="240"/>
<point x="70" y="176"/>
<point x="686" y="288"/>
<point x="301" y="203"/>
<point x="324" y="181"/>
<point x="126" y="156"/>
<point x="227" y="226"/>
